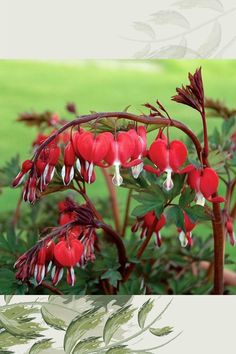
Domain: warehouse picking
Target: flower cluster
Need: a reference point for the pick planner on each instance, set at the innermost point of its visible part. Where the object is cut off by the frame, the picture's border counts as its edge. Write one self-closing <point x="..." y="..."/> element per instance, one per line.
<point x="149" y="223"/>
<point x="70" y="245"/>
<point x="124" y="149"/>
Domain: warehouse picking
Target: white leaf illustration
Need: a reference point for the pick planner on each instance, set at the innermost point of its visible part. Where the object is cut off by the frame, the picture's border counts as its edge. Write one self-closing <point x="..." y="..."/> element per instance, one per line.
<point x="210" y="4"/>
<point x="170" y="17"/>
<point x="212" y="42"/>
<point x="145" y="28"/>
<point x="143" y="52"/>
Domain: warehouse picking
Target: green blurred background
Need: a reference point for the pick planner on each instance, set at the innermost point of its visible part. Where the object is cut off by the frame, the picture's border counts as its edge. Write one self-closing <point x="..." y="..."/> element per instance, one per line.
<point x="100" y="86"/>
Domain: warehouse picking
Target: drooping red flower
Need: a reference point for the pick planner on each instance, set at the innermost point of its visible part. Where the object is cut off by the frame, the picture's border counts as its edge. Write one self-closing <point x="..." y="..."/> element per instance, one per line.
<point x="67" y="171"/>
<point x="93" y="149"/>
<point x="44" y="261"/>
<point x="168" y="157"/>
<point x="145" y="223"/>
<point x="205" y="182"/>
<point x="25" y="168"/>
<point x="185" y="236"/>
<point x="121" y="150"/>
<point x="67" y="253"/>
<point x="139" y="137"/>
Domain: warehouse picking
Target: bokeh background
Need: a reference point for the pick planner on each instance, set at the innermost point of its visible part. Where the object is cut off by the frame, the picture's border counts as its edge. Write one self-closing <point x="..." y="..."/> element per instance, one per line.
<point x="99" y="86"/>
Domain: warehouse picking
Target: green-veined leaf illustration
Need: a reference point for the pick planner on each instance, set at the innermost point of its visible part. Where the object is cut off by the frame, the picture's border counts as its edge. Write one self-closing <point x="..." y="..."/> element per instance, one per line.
<point x="164" y="17"/>
<point x="38" y="347"/>
<point x="145" y="28"/>
<point x="8" y="298"/>
<point x="144" y="311"/>
<point x="119" y="349"/>
<point x="87" y="345"/>
<point x="52" y="320"/>
<point x="20" y="325"/>
<point x="116" y="320"/>
<point x="160" y="332"/>
<point x="80" y="325"/>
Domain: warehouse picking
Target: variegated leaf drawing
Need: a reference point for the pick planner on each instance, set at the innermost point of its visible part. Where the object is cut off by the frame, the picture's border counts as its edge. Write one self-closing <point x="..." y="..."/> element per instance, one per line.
<point x="160" y="332"/>
<point x="144" y="311"/>
<point x="52" y="320"/>
<point x="87" y="345"/>
<point x="175" y="51"/>
<point x="81" y="325"/>
<point x="8" y="340"/>
<point x="8" y="298"/>
<point x="212" y="42"/>
<point x="144" y="52"/>
<point x="119" y="349"/>
<point x="170" y="17"/>
<point x="19" y="324"/>
<point x="38" y="347"/>
<point x="52" y="351"/>
<point x="145" y="28"/>
<point x="211" y="4"/>
<point x="115" y="321"/>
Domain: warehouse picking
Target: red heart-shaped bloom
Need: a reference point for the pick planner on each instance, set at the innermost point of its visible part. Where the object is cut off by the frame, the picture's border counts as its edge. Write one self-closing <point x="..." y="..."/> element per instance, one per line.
<point x="178" y="154"/>
<point x="93" y="149"/>
<point x="208" y="182"/>
<point x="68" y="252"/>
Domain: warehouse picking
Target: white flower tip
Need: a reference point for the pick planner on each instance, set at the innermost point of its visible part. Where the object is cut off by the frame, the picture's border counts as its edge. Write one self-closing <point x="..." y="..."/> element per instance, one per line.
<point x="183" y="239"/>
<point x="136" y="170"/>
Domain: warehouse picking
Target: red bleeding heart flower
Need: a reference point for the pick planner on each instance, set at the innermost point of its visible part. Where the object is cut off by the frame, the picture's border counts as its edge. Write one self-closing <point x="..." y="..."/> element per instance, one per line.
<point x="168" y="157"/>
<point x="67" y="253"/>
<point x="67" y="171"/>
<point x="44" y="261"/>
<point x="185" y="236"/>
<point x="139" y="137"/>
<point x="145" y="223"/>
<point x="120" y="152"/>
<point x="230" y="230"/>
<point x="93" y="149"/>
<point x="25" y="168"/>
<point x="205" y="182"/>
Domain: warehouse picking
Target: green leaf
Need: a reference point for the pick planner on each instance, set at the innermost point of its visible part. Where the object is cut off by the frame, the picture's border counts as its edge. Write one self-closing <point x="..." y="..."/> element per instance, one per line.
<point x="160" y="332"/>
<point x="113" y="276"/>
<point x="8" y="298"/>
<point x="119" y="349"/>
<point x="227" y="125"/>
<point x="175" y="215"/>
<point x="186" y="197"/>
<point x="52" y="320"/>
<point x="21" y="327"/>
<point x="41" y="345"/>
<point x="115" y="321"/>
<point x="87" y="345"/>
<point x="8" y="340"/>
<point x="197" y="213"/>
<point x="141" y="210"/>
<point x="80" y="325"/>
<point x="144" y="311"/>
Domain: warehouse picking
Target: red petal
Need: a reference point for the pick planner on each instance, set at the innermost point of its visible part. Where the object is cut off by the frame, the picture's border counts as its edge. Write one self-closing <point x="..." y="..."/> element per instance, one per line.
<point x="189" y="225"/>
<point x="151" y="169"/>
<point x="68" y="253"/>
<point x="194" y="179"/>
<point x="158" y="154"/>
<point x="69" y="155"/>
<point x="178" y="154"/>
<point x="208" y="182"/>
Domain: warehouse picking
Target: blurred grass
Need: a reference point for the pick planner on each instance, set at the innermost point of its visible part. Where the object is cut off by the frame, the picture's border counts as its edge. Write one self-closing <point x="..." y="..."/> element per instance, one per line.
<point x="99" y="86"/>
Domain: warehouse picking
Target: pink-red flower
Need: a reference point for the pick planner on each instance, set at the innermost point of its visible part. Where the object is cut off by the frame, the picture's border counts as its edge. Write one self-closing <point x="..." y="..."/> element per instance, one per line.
<point x="44" y="261"/>
<point x="92" y="149"/>
<point x="185" y="236"/>
<point x="139" y="138"/>
<point x="145" y="223"/>
<point x="67" y="253"/>
<point x="67" y="171"/>
<point x="205" y="182"/>
<point x="25" y="168"/>
<point x="168" y="157"/>
<point x="120" y="152"/>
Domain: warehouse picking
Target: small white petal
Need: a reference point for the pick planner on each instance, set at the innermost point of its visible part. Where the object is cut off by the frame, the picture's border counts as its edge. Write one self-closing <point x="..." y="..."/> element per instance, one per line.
<point x="117" y="179"/>
<point x="168" y="183"/>
<point x="200" y="199"/>
<point x="136" y="170"/>
<point x="183" y="239"/>
<point x="63" y="173"/>
<point x="78" y="165"/>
